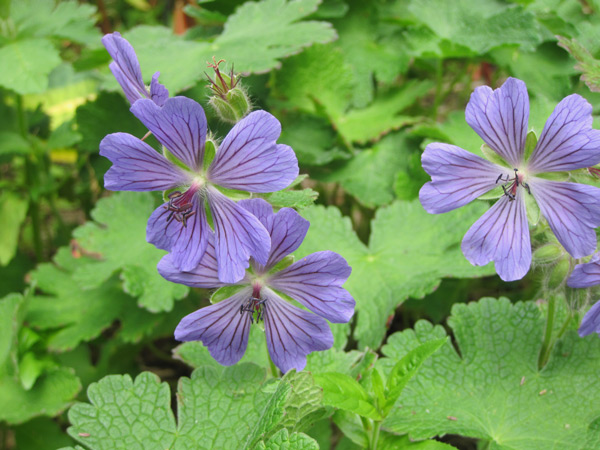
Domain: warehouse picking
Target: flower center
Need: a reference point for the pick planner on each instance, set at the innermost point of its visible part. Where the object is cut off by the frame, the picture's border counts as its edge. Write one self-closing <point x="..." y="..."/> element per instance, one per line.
<point x="510" y="185"/>
<point x="254" y="305"/>
<point x="180" y="204"/>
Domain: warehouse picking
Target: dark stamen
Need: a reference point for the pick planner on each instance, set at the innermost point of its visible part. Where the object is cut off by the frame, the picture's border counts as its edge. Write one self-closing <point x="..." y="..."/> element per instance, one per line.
<point x="253" y="305"/>
<point x="510" y="185"/>
<point x="180" y="207"/>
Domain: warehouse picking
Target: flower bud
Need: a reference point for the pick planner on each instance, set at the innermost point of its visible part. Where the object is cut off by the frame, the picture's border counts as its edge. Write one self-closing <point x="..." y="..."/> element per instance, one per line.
<point x="558" y="274"/>
<point x="229" y="99"/>
<point x="547" y="253"/>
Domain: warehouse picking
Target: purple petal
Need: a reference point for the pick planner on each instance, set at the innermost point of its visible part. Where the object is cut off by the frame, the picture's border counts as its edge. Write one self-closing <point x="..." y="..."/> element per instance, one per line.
<point x="187" y="244"/>
<point x="250" y="160"/>
<point x="500" y="118"/>
<point x="292" y="333"/>
<point x="572" y="211"/>
<point x="287" y="228"/>
<point x="158" y="93"/>
<point x="204" y="275"/>
<point x="316" y="282"/>
<point x="179" y="125"/>
<point x="568" y="141"/>
<point x="239" y="235"/>
<point x="591" y="321"/>
<point x="125" y="67"/>
<point x="501" y="235"/>
<point x="458" y="177"/>
<point x="586" y="275"/>
<point x="137" y="166"/>
<point x="220" y="327"/>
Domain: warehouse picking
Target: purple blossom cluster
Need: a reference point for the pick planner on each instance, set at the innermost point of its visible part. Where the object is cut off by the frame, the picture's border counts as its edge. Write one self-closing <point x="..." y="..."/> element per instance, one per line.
<point x="572" y="210"/>
<point x="211" y="238"/>
<point x="567" y="142"/>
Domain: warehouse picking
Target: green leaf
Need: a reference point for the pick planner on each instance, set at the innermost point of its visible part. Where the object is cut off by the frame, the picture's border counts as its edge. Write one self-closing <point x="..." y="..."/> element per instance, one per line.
<point x="298" y="199"/>
<point x="491" y="387"/>
<point x="117" y="239"/>
<point x="586" y="63"/>
<point x="181" y="62"/>
<point x="370" y="174"/>
<point x="40" y="433"/>
<point x="46" y="393"/>
<point x="217" y="408"/>
<point x="108" y="113"/>
<point x="13" y="210"/>
<point x="344" y="392"/>
<point x="282" y="440"/>
<point x="382" y="116"/>
<point x="13" y="144"/>
<point x="407" y="368"/>
<point x="319" y="74"/>
<point x="409" y="253"/>
<point x="75" y="314"/>
<point x="258" y="34"/>
<point x="30" y="62"/>
<point x="312" y="139"/>
<point x="479" y="26"/>
<point x="375" y="54"/>
<point x="10" y="322"/>
<point x="52" y="393"/>
<point x="66" y="19"/>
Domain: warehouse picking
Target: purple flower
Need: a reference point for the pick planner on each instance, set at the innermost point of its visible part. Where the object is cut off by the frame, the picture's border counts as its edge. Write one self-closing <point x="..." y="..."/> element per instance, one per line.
<point x="567" y="142"/>
<point x="126" y="69"/>
<point x="585" y="276"/>
<point x="292" y="333"/>
<point x="248" y="159"/>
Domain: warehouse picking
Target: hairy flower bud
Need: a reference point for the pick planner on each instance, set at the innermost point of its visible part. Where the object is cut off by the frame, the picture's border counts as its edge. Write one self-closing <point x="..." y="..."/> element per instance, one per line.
<point x="229" y="100"/>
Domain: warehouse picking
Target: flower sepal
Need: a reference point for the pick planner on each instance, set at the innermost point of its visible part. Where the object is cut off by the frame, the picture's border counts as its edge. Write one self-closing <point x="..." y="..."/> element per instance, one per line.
<point x="530" y="143"/>
<point x="223" y="293"/>
<point x="494" y="194"/>
<point x="493" y="157"/>
<point x="285" y="262"/>
<point x="230" y="100"/>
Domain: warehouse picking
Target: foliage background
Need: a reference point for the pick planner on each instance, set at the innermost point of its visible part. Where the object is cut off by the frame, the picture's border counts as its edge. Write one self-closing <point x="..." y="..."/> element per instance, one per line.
<point x="360" y="89"/>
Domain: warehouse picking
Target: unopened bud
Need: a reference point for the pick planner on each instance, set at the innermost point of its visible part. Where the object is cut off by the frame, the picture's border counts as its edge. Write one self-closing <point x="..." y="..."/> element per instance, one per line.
<point x="229" y="99"/>
<point x="547" y="253"/>
<point x="558" y="273"/>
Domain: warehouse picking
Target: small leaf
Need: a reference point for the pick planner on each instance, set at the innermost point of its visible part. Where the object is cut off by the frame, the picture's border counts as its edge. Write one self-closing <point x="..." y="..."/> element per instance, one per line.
<point x="407" y="368"/>
<point x="13" y="210"/>
<point x="344" y="392"/>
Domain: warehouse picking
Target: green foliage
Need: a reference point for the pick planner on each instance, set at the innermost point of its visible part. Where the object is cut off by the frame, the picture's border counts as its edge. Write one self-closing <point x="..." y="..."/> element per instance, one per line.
<point x="478" y="26"/>
<point x="31" y="61"/>
<point x="254" y="38"/>
<point x="53" y="387"/>
<point x="225" y="408"/>
<point x="493" y="388"/>
<point x="116" y="241"/>
<point x="586" y="63"/>
<point x="12" y="214"/>
<point x="409" y="253"/>
<point x="258" y="34"/>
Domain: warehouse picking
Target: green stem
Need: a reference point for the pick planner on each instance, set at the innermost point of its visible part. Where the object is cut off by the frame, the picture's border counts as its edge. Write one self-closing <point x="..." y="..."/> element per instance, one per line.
<point x="375" y="434"/>
<point x="547" y="342"/>
<point x="31" y="176"/>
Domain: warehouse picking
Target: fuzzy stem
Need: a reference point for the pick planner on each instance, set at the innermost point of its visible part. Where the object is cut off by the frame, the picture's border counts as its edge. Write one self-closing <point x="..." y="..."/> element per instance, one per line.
<point x="547" y="342"/>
